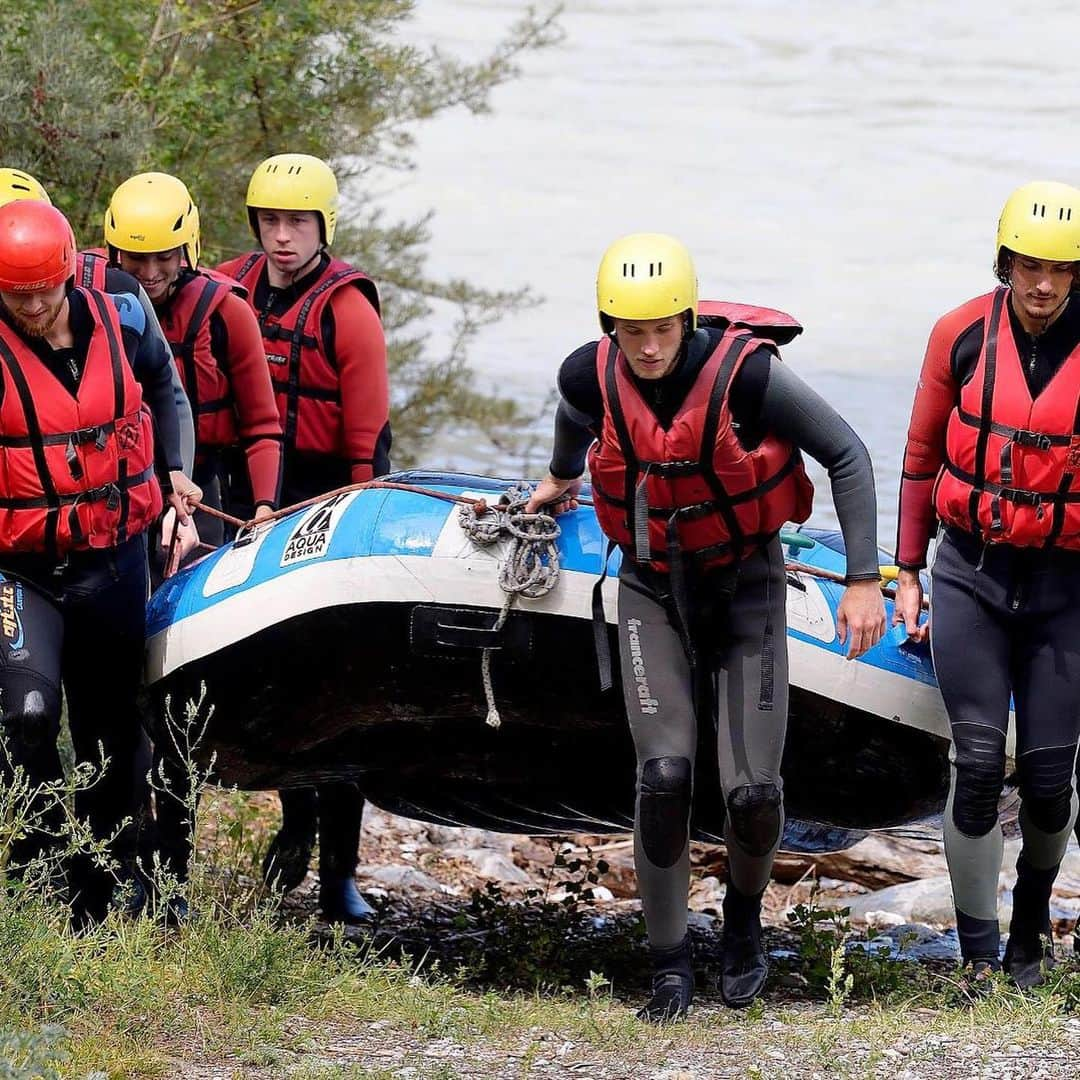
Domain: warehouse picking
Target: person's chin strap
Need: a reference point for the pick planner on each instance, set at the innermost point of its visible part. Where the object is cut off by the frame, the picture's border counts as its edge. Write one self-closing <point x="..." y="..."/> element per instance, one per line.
<point x="301" y="270"/>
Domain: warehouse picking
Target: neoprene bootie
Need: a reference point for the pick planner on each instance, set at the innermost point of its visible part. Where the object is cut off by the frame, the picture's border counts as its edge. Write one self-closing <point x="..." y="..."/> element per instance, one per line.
<point x="977" y="976"/>
<point x="1029" y="951"/>
<point x="1027" y="961"/>
<point x="90" y="892"/>
<point x="980" y="940"/>
<point x="130" y="895"/>
<point x="89" y="906"/>
<point x="672" y="986"/>
<point x="743" y="967"/>
<point x="341" y="901"/>
<point x="288" y="857"/>
<point x="177" y="911"/>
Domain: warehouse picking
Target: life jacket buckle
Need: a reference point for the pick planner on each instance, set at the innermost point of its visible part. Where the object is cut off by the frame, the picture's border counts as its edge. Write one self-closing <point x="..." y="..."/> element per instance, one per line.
<point x="277" y="332"/>
<point x="1037" y="440"/>
<point x="113" y="501"/>
<point x="72" y="459"/>
<point x="101" y="438"/>
<point x="670" y="470"/>
<point x="1006" y="463"/>
<point x="1022" y="497"/>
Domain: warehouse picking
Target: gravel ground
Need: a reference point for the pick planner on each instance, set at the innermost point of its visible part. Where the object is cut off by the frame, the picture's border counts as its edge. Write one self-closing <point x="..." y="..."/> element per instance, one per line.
<point x="422" y="878"/>
<point x="802" y="1045"/>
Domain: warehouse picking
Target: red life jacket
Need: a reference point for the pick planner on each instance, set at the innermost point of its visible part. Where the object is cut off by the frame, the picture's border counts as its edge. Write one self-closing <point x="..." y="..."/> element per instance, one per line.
<point x="185" y="321"/>
<point x="75" y="472"/>
<point x="90" y="269"/>
<point x="1012" y="465"/>
<point x="693" y="488"/>
<point x="305" y="380"/>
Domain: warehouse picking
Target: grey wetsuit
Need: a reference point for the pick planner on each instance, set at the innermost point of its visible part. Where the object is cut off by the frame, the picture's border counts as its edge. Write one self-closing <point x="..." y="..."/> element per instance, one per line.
<point x="738" y="632"/>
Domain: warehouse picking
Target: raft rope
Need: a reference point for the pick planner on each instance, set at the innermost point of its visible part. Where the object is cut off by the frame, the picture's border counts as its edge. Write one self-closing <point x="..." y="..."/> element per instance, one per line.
<point x="285" y="511"/>
<point x="480" y="507"/>
<point x="530" y="567"/>
<point x="840" y="579"/>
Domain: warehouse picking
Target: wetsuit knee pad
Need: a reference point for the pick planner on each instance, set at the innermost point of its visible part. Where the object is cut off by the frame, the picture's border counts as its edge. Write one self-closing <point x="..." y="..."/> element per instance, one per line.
<point x="979" y="760"/>
<point x="664" y="809"/>
<point x="754" y="817"/>
<point x="1050" y="814"/>
<point x="34" y="721"/>
<point x="1045" y="778"/>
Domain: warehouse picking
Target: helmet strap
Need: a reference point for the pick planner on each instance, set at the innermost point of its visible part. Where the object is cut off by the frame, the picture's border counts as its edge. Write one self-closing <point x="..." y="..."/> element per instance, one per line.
<point x="1054" y="314"/>
<point x="301" y="270"/>
<point x="1050" y="318"/>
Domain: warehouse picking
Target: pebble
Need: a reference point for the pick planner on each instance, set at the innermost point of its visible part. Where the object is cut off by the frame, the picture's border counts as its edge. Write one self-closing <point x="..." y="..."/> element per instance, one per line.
<point x="882" y="920"/>
<point x="405" y="877"/>
<point x="793" y="980"/>
<point x="492" y="864"/>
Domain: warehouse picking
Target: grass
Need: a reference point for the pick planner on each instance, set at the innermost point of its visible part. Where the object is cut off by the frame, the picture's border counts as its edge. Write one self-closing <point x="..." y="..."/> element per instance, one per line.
<point x="253" y="993"/>
<point x="263" y="997"/>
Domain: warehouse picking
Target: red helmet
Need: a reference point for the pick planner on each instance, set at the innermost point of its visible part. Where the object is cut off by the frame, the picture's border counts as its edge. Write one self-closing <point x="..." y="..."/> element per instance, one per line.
<point x="37" y="247"/>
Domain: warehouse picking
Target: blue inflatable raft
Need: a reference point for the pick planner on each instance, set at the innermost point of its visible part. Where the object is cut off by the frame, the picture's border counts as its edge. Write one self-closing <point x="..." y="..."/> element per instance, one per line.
<point x="345" y="641"/>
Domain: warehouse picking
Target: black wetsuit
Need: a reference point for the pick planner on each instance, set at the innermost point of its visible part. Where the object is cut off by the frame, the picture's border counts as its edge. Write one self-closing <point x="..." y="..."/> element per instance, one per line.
<point x="746" y="665"/>
<point x="337" y="808"/>
<point x="1017" y="610"/>
<point x="82" y="620"/>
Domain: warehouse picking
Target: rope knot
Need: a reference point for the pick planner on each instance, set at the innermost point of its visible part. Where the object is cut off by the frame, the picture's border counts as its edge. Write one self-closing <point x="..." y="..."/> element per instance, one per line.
<point x="531" y="565"/>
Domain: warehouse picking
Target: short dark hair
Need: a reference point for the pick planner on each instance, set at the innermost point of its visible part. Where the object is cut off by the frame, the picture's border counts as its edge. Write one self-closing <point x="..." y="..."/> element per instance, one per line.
<point x="1003" y="265"/>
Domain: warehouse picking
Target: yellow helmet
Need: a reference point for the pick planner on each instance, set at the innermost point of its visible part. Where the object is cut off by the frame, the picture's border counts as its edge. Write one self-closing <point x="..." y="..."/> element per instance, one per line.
<point x="1041" y="220"/>
<point x="295" y="182"/>
<point x="152" y="212"/>
<point x="646" y="276"/>
<point x="16" y="184"/>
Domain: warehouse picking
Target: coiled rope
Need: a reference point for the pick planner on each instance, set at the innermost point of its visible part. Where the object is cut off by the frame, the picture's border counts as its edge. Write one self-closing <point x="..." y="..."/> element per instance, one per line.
<point x="530" y="567"/>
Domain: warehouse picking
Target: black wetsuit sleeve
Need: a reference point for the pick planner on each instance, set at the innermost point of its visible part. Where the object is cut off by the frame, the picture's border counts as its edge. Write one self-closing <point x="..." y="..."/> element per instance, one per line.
<point x="120" y="281"/>
<point x="579" y="415"/>
<point x="152" y="365"/>
<point x="790" y="409"/>
<point x="572" y="442"/>
<point x="748" y="393"/>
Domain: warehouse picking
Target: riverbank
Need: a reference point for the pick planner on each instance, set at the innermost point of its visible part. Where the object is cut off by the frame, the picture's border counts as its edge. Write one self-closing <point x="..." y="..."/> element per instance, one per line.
<point x="490" y="959"/>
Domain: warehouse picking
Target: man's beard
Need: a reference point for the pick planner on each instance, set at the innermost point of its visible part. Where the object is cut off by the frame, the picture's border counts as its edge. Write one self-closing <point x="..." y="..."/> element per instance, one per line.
<point x="39" y="327"/>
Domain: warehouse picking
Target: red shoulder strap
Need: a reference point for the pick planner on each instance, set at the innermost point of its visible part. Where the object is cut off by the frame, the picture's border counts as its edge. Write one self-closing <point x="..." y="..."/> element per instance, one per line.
<point x="777" y="326"/>
<point x="224" y="279"/>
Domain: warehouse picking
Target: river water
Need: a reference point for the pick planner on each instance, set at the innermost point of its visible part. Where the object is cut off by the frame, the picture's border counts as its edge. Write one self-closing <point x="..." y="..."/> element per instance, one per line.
<point x="845" y="162"/>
